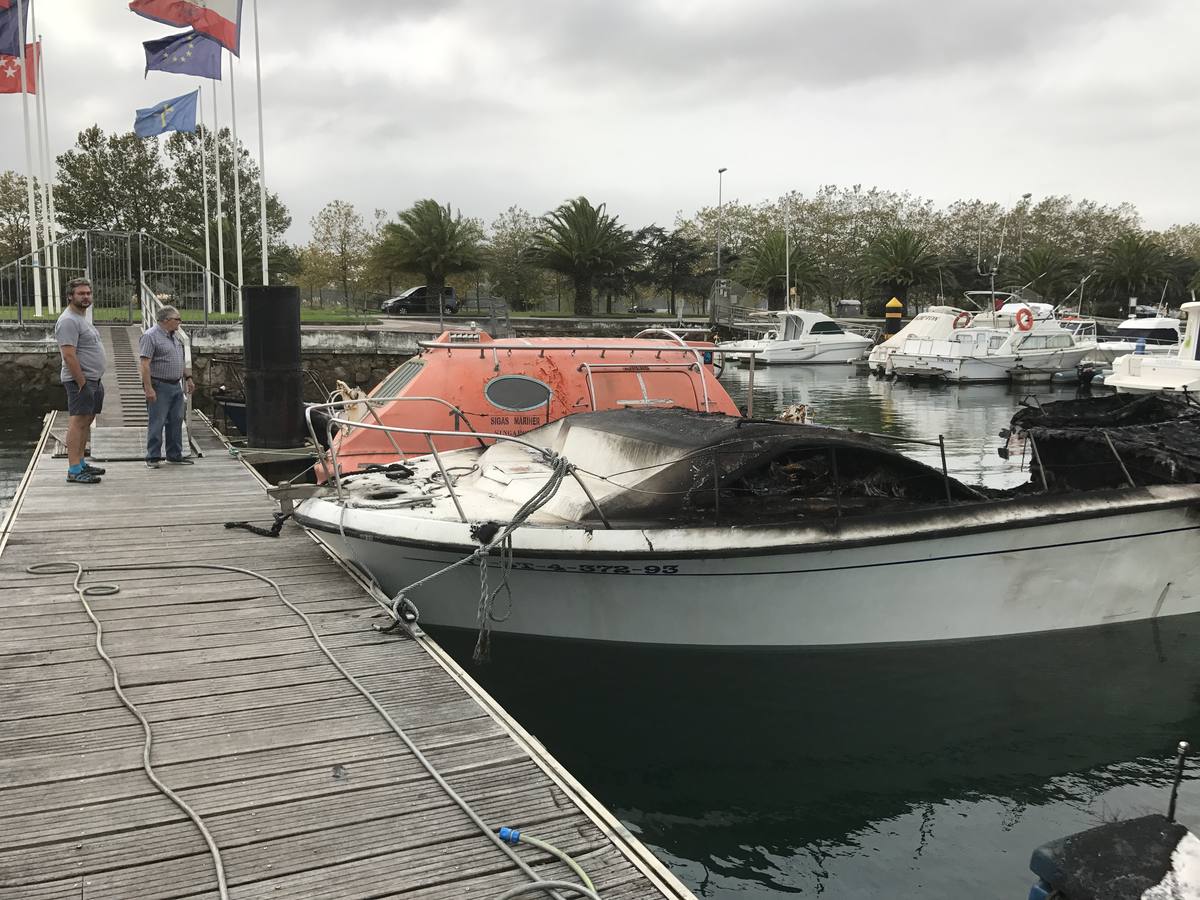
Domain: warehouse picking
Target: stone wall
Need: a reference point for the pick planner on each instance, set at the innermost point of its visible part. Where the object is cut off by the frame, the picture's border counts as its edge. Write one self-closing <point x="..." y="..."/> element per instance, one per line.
<point x="364" y="370"/>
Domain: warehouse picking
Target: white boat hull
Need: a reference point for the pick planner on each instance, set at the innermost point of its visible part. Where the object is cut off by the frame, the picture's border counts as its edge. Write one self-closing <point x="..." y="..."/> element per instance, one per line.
<point x="811" y="352"/>
<point x="987" y="368"/>
<point x="979" y="574"/>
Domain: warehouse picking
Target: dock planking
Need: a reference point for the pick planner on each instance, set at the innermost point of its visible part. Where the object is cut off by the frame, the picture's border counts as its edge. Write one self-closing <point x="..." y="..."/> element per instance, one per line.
<point x="305" y="788"/>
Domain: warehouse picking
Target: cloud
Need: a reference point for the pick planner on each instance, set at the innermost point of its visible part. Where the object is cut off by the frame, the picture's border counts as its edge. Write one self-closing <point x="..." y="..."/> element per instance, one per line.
<point x="485" y="105"/>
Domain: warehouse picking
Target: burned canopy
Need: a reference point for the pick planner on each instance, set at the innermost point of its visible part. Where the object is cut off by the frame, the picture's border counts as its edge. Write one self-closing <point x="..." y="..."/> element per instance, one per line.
<point x="685" y="466"/>
<point x="1103" y="442"/>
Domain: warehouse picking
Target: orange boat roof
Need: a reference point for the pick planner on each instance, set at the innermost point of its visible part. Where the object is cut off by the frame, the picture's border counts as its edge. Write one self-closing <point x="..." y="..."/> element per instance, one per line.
<point x="466" y="381"/>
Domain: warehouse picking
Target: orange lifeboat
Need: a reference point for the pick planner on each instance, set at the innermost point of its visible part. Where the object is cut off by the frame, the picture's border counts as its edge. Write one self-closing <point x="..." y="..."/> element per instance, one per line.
<point x="469" y="382"/>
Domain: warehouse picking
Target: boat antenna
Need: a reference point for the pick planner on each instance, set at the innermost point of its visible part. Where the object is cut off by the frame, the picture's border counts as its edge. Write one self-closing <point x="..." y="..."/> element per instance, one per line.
<point x="1181" y="753"/>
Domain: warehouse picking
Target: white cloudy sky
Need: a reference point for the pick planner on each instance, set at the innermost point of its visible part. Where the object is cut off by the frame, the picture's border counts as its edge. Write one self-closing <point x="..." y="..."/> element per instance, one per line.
<point x="489" y="103"/>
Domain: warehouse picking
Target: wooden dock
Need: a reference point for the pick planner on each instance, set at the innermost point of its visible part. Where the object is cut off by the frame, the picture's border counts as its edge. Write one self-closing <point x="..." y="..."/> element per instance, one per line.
<point x="305" y="788"/>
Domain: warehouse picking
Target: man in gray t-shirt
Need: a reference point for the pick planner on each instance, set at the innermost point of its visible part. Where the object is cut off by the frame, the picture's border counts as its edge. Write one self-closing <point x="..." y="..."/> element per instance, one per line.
<point x="82" y="368"/>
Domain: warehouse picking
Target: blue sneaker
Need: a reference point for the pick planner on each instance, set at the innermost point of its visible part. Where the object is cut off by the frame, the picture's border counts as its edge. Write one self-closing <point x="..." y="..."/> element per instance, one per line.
<point x="83" y="477"/>
<point x="95" y="470"/>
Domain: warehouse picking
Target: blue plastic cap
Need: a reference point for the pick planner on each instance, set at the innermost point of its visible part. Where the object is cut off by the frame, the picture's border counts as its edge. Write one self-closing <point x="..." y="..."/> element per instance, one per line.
<point x="510" y="835"/>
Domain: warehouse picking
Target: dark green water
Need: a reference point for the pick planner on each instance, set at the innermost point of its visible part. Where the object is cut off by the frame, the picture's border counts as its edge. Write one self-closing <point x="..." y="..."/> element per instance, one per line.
<point x="917" y="772"/>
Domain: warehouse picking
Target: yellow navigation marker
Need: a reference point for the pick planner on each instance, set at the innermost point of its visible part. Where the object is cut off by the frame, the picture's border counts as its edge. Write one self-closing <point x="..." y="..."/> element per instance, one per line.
<point x="892" y="309"/>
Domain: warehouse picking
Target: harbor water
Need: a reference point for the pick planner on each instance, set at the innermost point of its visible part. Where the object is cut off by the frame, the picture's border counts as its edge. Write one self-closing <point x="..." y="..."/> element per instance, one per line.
<point x="905" y="772"/>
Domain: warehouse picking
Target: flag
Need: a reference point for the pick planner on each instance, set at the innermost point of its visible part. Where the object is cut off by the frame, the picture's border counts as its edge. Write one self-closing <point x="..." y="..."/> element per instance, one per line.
<point x="176" y="114"/>
<point x="191" y="53"/>
<point x="219" y="19"/>
<point x="10" y="28"/>
<point x="10" y="71"/>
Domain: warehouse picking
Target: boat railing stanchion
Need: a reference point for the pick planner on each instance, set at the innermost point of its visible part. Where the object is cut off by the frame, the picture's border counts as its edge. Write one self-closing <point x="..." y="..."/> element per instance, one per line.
<point x="1037" y="458"/>
<point x="378" y="421"/>
<point x="837" y="485"/>
<point x="1117" y="456"/>
<point x="716" y="489"/>
<point x="1181" y="753"/>
<point x="945" y="471"/>
<point x="750" y="387"/>
<point x="595" y="505"/>
<point x="445" y="477"/>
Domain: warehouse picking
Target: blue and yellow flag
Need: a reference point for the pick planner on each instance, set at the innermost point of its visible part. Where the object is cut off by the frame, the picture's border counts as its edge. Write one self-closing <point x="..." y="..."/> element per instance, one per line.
<point x="176" y="114"/>
<point x="191" y="53"/>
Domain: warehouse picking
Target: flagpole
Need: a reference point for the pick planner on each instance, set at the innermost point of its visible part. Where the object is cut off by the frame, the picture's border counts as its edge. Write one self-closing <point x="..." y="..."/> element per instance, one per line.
<point x="56" y="277"/>
<point x="220" y="213"/>
<point x="262" y="164"/>
<point x="204" y="182"/>
<point x="34" y="256"/>
<point x="237" y="185"/>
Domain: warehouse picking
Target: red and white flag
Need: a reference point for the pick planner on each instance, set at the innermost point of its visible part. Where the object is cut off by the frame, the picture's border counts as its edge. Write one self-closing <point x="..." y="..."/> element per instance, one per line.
<point x="219" y="19"/>
<point x="10" y="70"/>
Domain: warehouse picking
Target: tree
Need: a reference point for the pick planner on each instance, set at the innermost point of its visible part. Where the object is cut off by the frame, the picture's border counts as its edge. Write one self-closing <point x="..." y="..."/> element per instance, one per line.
<point x="897" y="259"/>
<point x="675" y="263"/>
<point x="583" y="242"/>
<point x="315" y="271"/>
<point x="1048" y="271"/>
<point x="114" y="182"/>
<point x="1129" y="265"/>
<point x="510" y="266"/>
<point x="339" y="245"/>
<point x="186" y="201"/>
<point x="14" y="216"/>
<point x="431" y="241"/>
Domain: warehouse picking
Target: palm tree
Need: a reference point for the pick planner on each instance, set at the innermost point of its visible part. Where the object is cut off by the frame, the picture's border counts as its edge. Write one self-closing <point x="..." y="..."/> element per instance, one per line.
<point x="765" y="265"/>
<point x="1048" y="271"/>
<point x="583" y="241"/>
<point x="431" y="240"/>
<point x="1131" y="264"/>
<point x="897" y="259"/>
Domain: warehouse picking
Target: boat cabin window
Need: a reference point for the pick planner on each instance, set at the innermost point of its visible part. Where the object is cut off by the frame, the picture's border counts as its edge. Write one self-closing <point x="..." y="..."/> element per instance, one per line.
<point x="826" y="328"/>
<point x="1152" y="335"/>
<point x="793" y="328"/>
<point x="1046" y="342"/>
<point x="517" y="392"/>
<point x="401" y="376"/>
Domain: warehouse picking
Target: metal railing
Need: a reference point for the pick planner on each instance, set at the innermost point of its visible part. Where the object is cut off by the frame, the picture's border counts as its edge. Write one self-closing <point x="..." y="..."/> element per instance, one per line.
<point x="118" y="265"/>
<point x="329" y="458"/>
<point x="697" y="353"/>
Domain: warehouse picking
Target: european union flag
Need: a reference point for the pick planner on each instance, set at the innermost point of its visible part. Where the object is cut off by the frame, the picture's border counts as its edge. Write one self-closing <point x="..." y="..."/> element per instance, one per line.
<point x="176" y="114"/>
<point x="10" y="29"/>
<point x="190" y="53"/>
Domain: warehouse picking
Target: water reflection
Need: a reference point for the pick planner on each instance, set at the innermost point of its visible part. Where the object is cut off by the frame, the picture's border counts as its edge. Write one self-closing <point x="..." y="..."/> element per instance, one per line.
<point x="756" y="768"/>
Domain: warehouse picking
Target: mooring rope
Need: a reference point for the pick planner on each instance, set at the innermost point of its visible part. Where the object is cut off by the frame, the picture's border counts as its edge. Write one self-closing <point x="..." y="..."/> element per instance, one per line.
<point x="101" y="590"/>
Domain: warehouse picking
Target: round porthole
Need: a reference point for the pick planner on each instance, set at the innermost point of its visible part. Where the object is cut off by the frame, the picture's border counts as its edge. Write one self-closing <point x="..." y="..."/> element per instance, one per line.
<point x="517" y="393"/>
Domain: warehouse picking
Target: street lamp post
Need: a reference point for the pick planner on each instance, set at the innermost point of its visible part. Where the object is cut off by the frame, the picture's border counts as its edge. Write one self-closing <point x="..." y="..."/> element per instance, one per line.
<point x="720" y="218"/>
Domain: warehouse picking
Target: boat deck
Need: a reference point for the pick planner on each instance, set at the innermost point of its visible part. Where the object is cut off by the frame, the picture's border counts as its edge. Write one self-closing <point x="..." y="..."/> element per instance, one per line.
<point x="304" y="786"/>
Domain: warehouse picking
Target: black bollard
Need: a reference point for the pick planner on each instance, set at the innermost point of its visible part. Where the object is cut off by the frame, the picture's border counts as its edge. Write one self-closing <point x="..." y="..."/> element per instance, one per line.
<point x="274" y="385"/>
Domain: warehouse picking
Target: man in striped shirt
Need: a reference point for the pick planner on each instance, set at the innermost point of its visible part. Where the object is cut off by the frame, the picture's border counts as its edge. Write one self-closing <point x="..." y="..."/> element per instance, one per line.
<point x="164" y="381"/>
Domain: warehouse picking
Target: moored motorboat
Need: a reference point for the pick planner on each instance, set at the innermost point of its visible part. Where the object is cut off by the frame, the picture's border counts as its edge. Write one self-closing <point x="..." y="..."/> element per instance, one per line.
<point x="935" y="323"/>
<point x="1176" y="373"/>
<point x="681" y="528"/>
<point x="1144" y="335"/>
<point x="803" y="337"/>
<point x="1018" y="340"/>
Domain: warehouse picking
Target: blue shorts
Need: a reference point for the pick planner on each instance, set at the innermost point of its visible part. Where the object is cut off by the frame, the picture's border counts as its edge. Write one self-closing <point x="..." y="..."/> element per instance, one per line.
<point x="85" y="401"/>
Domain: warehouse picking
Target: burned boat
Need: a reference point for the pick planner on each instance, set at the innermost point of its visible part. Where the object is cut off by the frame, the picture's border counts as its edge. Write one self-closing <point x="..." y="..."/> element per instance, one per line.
<point x="671" y="526"/>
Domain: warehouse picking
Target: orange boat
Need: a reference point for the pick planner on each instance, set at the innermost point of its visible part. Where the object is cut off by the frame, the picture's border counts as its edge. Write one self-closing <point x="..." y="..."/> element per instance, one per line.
<point x="466" y="381"/>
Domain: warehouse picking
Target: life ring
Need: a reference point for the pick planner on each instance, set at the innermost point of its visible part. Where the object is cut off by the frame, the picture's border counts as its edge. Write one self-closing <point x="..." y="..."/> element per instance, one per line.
<point x="961" y="320"/>
<point x="1024" y="318"/>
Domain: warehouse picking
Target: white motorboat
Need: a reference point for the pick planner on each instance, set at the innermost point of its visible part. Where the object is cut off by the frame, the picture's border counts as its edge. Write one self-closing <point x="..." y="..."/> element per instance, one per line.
<point x="804" y="337"/>
<point x="675" y="527"/>
<point x="1148" y="336"/>
<point x="935" y="323"/>
<point x="1142" y="373"/>
<point x="1018" y="340"/>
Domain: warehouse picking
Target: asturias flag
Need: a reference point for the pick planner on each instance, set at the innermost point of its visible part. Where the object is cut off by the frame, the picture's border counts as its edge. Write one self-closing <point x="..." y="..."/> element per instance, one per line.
<point x="176" y="114"/>
<point x="220" y="19"/>
<point x="10" y="71"/>
<point x="10" y="28"/>
<point x="192" y="53"/>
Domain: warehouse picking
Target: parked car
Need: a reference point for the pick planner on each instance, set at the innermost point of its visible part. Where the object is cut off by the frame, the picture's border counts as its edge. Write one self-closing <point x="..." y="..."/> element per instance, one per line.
<point x="416" y="302"/>
<point x="642" y="310"/>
